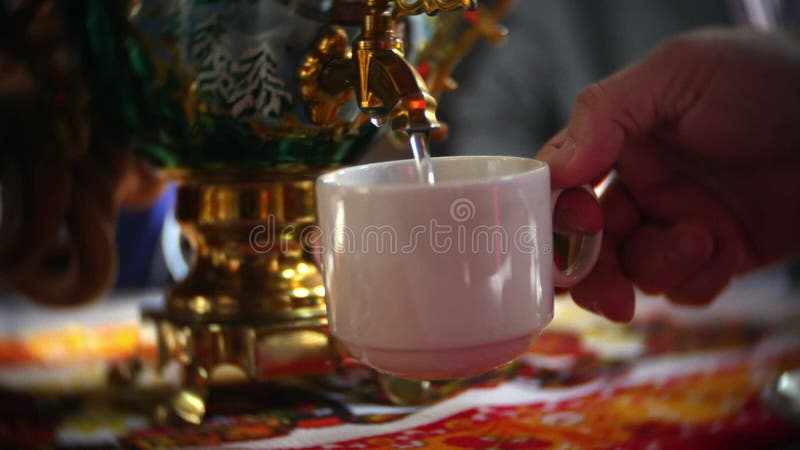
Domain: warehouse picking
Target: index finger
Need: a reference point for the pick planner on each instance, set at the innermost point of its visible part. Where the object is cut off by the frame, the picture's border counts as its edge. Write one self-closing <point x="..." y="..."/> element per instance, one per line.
<point x="630" y="103"/>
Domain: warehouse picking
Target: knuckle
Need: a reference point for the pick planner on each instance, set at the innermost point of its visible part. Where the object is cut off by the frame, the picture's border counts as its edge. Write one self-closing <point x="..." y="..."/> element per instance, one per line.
<point x="591" y="97"/>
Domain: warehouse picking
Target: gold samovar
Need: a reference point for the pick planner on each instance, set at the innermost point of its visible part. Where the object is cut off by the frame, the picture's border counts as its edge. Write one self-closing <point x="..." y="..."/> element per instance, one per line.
<point x="243" y="104"/>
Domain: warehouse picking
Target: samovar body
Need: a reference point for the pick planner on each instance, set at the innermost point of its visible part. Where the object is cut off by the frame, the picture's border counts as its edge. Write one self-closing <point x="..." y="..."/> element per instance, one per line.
<point x="243" y="104"/>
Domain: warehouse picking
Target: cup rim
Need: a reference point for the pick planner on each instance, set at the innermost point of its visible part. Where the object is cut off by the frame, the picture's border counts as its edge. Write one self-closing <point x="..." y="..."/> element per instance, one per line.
<point x="335" y="177"/>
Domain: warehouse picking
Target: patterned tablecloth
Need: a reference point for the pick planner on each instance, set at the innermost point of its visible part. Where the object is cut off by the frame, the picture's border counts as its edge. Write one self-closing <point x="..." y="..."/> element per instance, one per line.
<point x="674" y="378"/>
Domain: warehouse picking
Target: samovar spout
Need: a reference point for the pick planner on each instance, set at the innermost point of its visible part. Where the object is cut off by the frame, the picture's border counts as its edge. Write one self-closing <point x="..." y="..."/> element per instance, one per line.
<point x="390" y="88"/>
<point x="387" y="86"/>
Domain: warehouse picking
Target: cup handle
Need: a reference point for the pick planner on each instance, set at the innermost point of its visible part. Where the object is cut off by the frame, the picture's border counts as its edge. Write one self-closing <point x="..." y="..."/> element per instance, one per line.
<point x="588" y="251"/>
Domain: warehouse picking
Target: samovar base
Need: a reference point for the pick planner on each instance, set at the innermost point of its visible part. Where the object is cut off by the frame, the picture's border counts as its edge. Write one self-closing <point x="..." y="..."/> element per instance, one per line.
<point x="235" y="352"/>
<point x="252" y="307"/>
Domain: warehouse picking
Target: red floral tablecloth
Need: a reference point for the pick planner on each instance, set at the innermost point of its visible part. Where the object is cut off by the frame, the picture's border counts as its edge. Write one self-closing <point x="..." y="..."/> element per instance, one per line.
<point x="673" y="378"/>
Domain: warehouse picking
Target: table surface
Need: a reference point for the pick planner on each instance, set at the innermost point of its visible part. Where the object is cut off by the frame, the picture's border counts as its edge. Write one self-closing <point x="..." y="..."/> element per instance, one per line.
<point x="674" y="378"/>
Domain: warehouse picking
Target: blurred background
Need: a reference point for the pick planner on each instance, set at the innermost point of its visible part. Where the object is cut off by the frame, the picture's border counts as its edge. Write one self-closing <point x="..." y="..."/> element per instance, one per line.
<point x="511" y="100"/>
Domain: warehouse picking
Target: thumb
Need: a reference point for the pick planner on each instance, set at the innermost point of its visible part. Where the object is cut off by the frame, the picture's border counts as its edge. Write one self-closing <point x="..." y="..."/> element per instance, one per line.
<point x="630" y="103"/>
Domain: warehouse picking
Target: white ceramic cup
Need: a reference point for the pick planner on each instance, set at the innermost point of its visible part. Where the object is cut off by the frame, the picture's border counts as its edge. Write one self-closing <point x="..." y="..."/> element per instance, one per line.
<point x="446" y="280"/>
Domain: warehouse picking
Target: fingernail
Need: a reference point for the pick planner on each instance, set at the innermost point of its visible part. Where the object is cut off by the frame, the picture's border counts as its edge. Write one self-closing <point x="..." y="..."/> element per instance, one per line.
<point x="563" y="155"/>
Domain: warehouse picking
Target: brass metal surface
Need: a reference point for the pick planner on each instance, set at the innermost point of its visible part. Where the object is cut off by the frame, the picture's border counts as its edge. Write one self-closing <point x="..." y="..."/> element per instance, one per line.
<point x="413" y="7"/>
<point x="449" y="44"/>
<point x="253" y="304"/>
<point x="322" y="106"/>
<point x="234" y="352"/>
<point x="250" y="265"/>
<point x="387" y="86"/>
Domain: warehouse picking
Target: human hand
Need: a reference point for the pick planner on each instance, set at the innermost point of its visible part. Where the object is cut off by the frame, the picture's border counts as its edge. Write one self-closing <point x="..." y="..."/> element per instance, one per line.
<point x="703" y="134"/>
